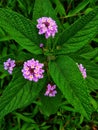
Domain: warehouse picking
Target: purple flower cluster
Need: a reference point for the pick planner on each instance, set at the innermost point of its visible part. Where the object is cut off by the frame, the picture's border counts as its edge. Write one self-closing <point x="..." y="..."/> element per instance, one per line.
<point x="9" y="65"/>
<point x="51" y="92"/>
<point x="47" y="26"/>
<point x="32" y="70"/>
<point x="82" y="70"/>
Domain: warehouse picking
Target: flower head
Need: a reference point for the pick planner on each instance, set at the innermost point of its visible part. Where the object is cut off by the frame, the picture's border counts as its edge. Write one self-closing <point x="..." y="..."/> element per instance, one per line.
<point x="82" y="70"/>
<point x="41" y="45"/>
<point x="9" y="65"/>
<point x="47" y="26"/>
<point x="32" y="70"/>
<point x="50" y="91"/>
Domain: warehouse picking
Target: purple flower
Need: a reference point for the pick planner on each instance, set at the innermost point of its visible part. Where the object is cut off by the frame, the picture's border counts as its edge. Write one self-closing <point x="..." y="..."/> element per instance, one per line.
<point x="47" y="26"/>
<point x="41" y="45"/>
<point x="50" y="91"/>
<point x="82" y="70"/>
<point x="32" y="70"/>
<point x="9" y="65"/>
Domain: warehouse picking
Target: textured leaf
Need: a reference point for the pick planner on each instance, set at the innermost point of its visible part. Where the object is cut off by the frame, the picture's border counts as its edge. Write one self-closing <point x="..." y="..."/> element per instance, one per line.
<point x="92" y="84"/>
<point x="22" y="30"/>
<point x="80" y="6"/>
<point x="68" y="78"/>
<point x="59" y="7"/>
<point x="50" y="105"/>
<point x="79" y="33"/>
<point x="91" y="54"/>
<point x="19" y="93"/>
<point x="42" y="9"/>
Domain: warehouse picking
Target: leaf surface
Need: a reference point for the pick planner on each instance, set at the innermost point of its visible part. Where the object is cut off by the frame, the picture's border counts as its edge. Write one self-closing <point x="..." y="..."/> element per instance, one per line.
<point x="19" y="93"/>
<point x="79" y="34"/>
<point x="68" y="78"/>
<point x="20" y="29"/>
<point x="44" y="9"/>
<point x="50" y="105"/>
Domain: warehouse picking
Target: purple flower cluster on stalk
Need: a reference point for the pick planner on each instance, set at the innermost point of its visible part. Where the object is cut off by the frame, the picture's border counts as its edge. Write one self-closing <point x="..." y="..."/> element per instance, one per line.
<point x="9" y="65"/>
<point x="32" y="70"/>
<point x="82" y="70"/>
<point x="47" y="26"/>
<point x="50" y="91"/>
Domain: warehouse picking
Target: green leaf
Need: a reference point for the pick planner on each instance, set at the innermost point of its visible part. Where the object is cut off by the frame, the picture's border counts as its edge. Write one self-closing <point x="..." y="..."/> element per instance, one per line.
<point x="68" y="78"/>
<point x="92" y="69"/>
<point x="59" y="7"/>
<point x="24" y="118"/>
<point x="91" y="54"/>
<point x="20" y="29"/>
<point x="88" y="10"/>
<point x="44" y="9"/>
<point x="95" y="39"/>
<point x="92" y="83"/>
<point x="50" y="105"/>
<point x="19" y="93"/>
<point x="80" y="6"/>
<point x="79" y="33"/>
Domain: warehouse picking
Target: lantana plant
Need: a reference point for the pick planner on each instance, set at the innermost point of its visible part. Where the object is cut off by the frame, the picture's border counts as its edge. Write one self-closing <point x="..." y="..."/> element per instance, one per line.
<point x="52" y="69"/>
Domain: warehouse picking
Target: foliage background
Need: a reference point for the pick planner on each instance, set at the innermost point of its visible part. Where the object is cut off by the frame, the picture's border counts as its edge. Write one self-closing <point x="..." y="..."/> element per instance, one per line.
<point x="31" y="116"/>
